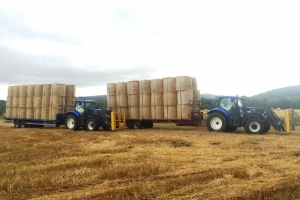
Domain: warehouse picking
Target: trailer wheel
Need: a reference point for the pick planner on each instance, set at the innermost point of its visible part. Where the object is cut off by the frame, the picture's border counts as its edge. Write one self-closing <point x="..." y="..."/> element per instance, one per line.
<point x="71" y="122"/>
<point x="128" y="124"/>
<point x="148" y="124"/>
<point x="23" y="124"/>
<point x="17" y="123"/>
<point x="92" y="124"/>
<point x="254" y="125"/>
<point x="216" y="122"/>
<point x="137" y="124"/>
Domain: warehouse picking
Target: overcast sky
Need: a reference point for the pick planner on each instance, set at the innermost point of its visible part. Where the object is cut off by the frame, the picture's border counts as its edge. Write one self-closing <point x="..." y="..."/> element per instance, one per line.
<point x="231" y="47"/>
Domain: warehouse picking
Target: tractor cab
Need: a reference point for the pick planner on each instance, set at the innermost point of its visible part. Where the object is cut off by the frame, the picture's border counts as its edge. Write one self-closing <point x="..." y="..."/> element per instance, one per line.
<point x="86" y="115"/>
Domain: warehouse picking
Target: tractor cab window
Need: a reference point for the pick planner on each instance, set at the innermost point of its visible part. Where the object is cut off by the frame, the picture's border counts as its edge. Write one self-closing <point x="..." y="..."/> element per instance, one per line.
<point x="80" y="107"/>
<point x="90" y="105"/>
<point x="240" y="103"/>
<point x="228" y="104"/>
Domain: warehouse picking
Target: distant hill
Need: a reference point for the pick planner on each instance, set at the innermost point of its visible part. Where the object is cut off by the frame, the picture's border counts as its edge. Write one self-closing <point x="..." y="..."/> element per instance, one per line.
<point x="291" y="91"/>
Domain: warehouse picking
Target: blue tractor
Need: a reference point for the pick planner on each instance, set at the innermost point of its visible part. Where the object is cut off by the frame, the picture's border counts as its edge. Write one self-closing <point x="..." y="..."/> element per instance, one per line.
<point x="231" y="114"/>
<point x="85" y="115"/>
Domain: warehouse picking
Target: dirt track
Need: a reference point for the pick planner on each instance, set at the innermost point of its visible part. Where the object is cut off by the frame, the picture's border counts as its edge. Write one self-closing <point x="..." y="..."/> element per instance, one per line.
<point x="166" y="162"/>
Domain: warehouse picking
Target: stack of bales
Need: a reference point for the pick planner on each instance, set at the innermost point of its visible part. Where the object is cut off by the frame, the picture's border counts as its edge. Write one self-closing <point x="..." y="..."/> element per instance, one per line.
<point x="157" y="104"/>
<point x="133" y="99"/>
<point x="22" y="101"/>
<point x="170" y="98"/>
<point x="145" y="99"/>
<point x="184" y="88"/>
<point x="166" y="98"/>
<point x="30" y="102"/>
<point x="70" y="97"/>
<point x="37" y="102"/>
<point x="9" y="102"/>
<point x="46" y="101"/>
<point x="15" y="106"/>
<point x="57" y="100"/>
<point x="122" y="98"/>
<point x="111" y="97"/>
<point x="41" y="101"/>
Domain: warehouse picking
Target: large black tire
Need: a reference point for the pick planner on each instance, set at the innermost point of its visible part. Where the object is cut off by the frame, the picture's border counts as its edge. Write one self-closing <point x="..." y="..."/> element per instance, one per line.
<point x="254" y="125"/>
<point x="71" y="122"/>
<point x="17" y="123"/>
<point x="23" y="124"/>
<point x="128" y="124"/>
<point x="137" y="124"/>
<point x="216" y="122"/>
<point x="92" y="124"/>
<point x="267" y="127"/>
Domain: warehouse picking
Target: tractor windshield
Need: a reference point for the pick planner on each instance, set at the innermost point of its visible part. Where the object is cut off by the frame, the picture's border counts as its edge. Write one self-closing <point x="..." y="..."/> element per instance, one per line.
<point x="90" y="105"/>
<point x="240" y="102"/>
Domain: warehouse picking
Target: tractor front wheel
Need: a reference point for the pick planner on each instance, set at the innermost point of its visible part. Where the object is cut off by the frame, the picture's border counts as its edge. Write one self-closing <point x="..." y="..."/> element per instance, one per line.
<point x="254" y="125"/>
<point x="216" y="122"/>
<point x="71" y="122"/>
<point x="92" y="125"/>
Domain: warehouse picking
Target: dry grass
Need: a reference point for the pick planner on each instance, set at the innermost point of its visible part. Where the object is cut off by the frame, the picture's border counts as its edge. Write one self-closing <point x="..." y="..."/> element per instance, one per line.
<point x="166" y="162"/>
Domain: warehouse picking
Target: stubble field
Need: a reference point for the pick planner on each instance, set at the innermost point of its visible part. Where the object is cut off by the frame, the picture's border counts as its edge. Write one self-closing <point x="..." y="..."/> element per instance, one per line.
<point x="166" y="162"/>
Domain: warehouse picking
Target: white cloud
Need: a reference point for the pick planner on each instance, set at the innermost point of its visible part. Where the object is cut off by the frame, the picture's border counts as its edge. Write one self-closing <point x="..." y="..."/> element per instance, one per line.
<point x="231" y="47"/>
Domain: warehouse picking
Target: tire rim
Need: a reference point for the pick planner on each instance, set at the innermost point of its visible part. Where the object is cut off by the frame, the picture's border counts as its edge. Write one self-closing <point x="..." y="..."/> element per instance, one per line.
<point x="216" y="123"/>
<point x="70" y="123"/>
<point x="90" y="125"/>
<point x="254" y="127"/>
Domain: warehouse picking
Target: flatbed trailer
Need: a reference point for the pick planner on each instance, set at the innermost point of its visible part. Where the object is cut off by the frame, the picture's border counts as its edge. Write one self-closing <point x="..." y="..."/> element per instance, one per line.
<point x="195" y="118"/>
<point x="31" y="122"/>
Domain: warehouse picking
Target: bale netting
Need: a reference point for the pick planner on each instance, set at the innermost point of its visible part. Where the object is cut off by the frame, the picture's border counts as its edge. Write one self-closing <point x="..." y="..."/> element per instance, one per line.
<point x="145" y="86"/>
<point x="37" y="102"/>
<point x="122" y="100"/>
<point x="196" y="95"/>
<point x="157" y="112"/>
<point x="9" y="101"/>
<point x="157" y="99"/>
<point x="133" y="87"/>
<point x="22" y="112"/>
<point x="121" y="88"/>
<point x="45" y="101"/>
<point x="22" y="101"/>
<point x="30" y="90"/>
<point x="69" y="103"/>
<point x="15" y="102"/>
<point x="29" y="113"/>
<point x="183" y="111"/>
<point x="45" y="113"/>
<point x="194" y="83"/>
<point x="169" y="84"/>
<point x="22" y="90"/>
<point x="10" y="92"/>
<point x="58" y="90"/>
<point x="145" y="112"/>
<point x="170" y="98"/>
<point x="133" y="112"/>
<point x="145" y="99"/>
<point x="111" y="101"/>
<point x="70" y="90"/>
<point x="184" y="96"/>
<point x="16" y="90"/>
<point x="184" y="83"/>
<point x="111" y="89"/>
<point x="156" y="85"/>
<point x="38" y="90"/>
<point x="37" y="113"/>
<point x="57" y="104"/>
<point x="47" y="90"/>
<point x="170" y="112"/>
<point x="15" y="112"/>
<point x="123" y="109"/>
<point x="133" y="100"/>
<point x="8" y="112"/>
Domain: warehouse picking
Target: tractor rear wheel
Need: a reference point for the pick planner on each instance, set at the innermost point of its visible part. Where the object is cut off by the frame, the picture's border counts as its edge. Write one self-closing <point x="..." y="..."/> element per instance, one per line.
<point x="92" y="125"/>
<point x="254" y="125"/>
<point x="71" y="122"/>
<point x="216" y="122"/>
